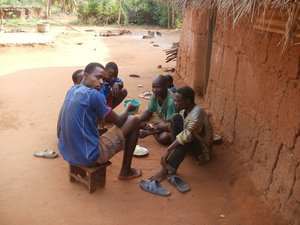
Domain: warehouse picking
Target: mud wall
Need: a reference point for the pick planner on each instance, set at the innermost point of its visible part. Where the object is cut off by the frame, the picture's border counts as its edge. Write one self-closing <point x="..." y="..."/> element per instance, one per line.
<point x="191" y="59"/>
<point x="253" y="96"/>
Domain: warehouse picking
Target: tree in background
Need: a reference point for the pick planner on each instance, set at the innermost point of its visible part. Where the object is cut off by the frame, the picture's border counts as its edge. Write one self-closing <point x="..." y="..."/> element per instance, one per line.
<point x="142" y="12"/>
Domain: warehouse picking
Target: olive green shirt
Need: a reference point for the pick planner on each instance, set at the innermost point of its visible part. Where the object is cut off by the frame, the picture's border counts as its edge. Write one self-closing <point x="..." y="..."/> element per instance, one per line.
<point x="164" y="111"/>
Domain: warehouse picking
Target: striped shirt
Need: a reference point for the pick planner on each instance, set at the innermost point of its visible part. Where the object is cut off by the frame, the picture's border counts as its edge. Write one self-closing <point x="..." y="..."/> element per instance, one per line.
<point x="196" y="125"/>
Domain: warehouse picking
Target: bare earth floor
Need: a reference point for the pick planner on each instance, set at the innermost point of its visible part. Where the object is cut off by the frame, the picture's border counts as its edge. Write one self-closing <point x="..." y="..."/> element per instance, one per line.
<point x="33" y="83"/>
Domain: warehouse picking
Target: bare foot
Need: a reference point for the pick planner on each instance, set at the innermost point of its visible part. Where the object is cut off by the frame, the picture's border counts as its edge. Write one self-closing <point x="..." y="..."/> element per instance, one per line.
<point x="203" y="158"/>
<point x="161" y="175"/>
<point x="145" y="133"/>
<point x="132" y="173"/>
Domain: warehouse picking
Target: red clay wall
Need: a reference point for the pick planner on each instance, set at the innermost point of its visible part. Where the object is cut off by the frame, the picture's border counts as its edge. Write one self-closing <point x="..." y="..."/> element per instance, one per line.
<point x="191" y="60"/>
<point x="254" y="98"/>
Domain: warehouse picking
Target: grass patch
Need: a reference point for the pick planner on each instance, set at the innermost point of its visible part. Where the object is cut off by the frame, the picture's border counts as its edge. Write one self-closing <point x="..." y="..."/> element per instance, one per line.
<point x="20" y="22"/>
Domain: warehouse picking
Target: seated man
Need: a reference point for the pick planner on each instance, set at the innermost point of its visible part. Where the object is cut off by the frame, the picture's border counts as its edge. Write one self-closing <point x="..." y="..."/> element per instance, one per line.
<point x="79" y="141"/>
<point x="191" y="132"/>
<point x="77" y="76"/>
<point x="171" y="86"/>
<point x="162" y="104"/>
<point x="113" y="88"/>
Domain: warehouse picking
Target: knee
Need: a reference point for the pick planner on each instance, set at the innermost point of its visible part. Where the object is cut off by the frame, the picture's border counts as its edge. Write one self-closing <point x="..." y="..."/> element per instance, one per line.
<point x="134" y="121"/>
<point x="124" y="92"/>
<point x="176" y="118"/>
<point x="164" y="138"/>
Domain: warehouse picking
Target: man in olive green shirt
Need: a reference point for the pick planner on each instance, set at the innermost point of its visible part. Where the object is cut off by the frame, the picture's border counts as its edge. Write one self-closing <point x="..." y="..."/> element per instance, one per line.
<point x="162" y="104"/>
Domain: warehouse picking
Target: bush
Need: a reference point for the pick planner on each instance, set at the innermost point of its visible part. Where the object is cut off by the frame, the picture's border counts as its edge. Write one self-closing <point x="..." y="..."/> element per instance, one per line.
<point x="100" y="12"/>
<point x="142" y="12"/>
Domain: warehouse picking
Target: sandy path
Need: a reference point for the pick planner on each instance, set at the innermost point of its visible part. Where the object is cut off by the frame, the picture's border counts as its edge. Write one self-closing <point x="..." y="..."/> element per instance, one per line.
<point x="33" y="84"/>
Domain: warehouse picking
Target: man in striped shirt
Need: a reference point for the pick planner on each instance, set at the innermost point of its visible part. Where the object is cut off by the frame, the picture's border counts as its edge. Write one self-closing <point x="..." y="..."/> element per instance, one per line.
<point x="191" y="132"/>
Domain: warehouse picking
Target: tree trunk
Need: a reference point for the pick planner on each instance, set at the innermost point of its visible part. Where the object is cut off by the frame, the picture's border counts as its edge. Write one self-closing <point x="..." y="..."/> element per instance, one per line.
<point x="120" y="12"/>
<point x="168" y="6"/>
<point x="48" y="9"/>
<point x="173" y="16"/>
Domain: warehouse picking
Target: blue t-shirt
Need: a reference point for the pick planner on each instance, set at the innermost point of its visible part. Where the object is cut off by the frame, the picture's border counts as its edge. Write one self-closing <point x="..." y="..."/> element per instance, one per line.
<point x="105" y="90"/>
<point x="78" y="138"/>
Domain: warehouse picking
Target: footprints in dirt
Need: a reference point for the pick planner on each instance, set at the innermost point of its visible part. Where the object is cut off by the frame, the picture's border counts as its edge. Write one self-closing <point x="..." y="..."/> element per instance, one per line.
<point x="8" y="119"/>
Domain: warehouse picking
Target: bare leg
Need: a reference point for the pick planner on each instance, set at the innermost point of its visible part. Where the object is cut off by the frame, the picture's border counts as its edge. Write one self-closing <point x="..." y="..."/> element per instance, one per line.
<point x="122" y="95"/>
<point x="163" y="138"/>
<point x="144" y="133"/>
<point x="130" y="130"/>
<point x="161" y="175"/>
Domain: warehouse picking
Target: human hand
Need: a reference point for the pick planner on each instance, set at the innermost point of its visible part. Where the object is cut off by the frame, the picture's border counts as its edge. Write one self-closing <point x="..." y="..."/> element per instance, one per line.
<point x="149" y="126"/>
<point x="115" y="90"/>
<point x="130" y="107"/>
<point x="162" y="126"/>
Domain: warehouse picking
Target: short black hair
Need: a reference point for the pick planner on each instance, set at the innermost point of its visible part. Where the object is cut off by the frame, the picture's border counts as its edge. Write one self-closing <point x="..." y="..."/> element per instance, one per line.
<point x="75" y="75"/>
<point x="170" y="78"/>
<point x="91" y="66"/>
<point x="113" y="66"/>
<point x="187" y="93"/>
<point x="161" y="79"/>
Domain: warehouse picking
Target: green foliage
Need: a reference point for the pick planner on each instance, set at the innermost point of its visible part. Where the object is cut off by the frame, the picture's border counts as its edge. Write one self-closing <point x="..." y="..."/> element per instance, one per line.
<point x="20" y="23"/>
<point x="141" y="12"/>
<point x="21" y="3"/>
<point x="98" y="12"/>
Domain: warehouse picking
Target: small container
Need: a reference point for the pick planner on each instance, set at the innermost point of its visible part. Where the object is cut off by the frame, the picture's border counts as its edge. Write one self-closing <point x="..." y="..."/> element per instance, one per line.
<point x="43" y="27"/>
<point x="136" y="103"/>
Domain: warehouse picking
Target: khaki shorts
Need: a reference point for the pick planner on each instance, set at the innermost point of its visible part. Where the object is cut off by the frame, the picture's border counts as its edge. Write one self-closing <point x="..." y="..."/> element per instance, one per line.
<point x="110" y="144"/>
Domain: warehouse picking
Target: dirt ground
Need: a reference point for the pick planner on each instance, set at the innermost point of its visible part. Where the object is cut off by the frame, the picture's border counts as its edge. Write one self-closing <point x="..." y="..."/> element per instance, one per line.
<point x="33" y="82"/>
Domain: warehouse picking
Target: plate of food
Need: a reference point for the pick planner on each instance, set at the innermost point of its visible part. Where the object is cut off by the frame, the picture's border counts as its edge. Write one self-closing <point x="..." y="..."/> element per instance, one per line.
<point x="140" y="151"/>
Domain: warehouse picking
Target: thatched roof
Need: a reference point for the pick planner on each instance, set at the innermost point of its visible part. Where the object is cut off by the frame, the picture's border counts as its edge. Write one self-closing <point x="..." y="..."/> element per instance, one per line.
<point x="279" y="16"/>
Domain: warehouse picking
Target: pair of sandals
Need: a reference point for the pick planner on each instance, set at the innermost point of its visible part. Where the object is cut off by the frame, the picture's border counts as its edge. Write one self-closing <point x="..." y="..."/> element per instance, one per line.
<point x="155" y="186"/>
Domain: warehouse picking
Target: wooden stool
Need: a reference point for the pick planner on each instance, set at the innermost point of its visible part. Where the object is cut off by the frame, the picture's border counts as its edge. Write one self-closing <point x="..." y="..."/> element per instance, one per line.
<point x="92" y="177"/>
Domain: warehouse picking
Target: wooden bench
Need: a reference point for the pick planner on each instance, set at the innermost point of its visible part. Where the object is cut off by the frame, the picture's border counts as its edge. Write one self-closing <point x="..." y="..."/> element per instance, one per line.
<point x="92" y="177"/>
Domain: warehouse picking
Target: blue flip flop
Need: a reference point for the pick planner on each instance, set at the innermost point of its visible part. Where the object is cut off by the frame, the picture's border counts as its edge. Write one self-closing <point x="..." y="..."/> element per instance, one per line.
<point x="154" y="187"/>
<point x="178" y="183"/>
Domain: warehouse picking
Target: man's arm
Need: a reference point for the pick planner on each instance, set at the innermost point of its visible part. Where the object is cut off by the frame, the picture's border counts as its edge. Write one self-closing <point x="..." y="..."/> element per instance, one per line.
<point x="165" y="156"/>
<point x="145" y="116"/>
<point x="119" y="119"/>
<point x="59" y="123"/>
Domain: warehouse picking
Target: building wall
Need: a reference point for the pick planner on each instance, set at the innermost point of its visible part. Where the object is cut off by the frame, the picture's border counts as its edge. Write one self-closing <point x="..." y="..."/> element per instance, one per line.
<point x="191" y="60"/>
<point x="253" y="96"/>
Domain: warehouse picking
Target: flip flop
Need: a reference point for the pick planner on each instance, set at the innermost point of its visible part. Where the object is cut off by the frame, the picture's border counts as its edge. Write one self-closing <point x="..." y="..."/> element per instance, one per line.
<point x="138" y="173"/>
<point x="46" y="154"/>
<point x="154" y="187"/>
<point x="178" y="183"/>
<point x="134" y="75"/>
<point x="146" y="95"/>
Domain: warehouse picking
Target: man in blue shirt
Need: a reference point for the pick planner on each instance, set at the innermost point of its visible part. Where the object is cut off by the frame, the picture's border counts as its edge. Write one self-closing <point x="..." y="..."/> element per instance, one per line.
<point x="113" y="88"/>
<point x="79" y="141"/>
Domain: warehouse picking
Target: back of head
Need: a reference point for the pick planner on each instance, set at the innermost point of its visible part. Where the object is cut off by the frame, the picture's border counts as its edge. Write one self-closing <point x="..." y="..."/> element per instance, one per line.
<point x="91" y="66"/>
<point x="187" y="93"/>
<point x="169" y="78"/>
<point x="161" y="79"/>
<point x="77" y="76"/>
<point x="112" y="67"/>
